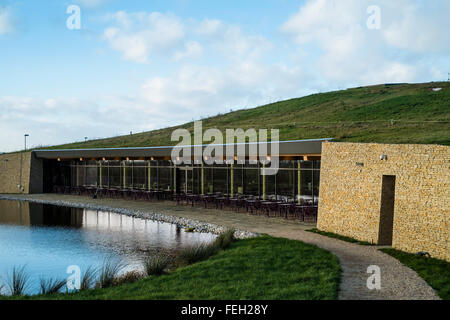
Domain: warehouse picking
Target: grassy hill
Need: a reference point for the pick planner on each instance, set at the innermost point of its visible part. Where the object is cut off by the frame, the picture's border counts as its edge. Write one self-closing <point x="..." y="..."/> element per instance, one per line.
<point x="404" y="113"/>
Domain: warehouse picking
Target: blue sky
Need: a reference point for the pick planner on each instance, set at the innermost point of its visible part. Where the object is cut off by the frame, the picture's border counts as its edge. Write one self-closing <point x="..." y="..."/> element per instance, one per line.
<point x="142" y="65"/>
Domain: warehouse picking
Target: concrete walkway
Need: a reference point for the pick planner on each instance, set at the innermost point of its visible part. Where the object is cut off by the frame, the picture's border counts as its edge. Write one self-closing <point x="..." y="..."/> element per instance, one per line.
<point x="397" y="281"/>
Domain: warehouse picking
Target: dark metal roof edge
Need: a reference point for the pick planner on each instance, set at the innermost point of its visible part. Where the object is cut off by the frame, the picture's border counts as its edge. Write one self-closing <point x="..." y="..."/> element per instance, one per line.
<point x="171" y="147"/>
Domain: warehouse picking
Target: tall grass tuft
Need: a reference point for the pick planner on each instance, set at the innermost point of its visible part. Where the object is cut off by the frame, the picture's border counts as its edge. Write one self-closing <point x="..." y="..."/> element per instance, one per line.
<point x="51" y="286"/>
<point x="157" y="264"/>
<point x="18" y="281"/>
<point x="129" y="277"/>
<point x="200" y="252"/>
<point x="225" y="239"/>
<point x="88" y="278"/>
<point x="109" y="272"/>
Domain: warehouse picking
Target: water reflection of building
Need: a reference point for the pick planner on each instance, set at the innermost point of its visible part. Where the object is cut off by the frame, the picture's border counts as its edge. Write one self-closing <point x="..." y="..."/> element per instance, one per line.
<point x="36" y="214"/>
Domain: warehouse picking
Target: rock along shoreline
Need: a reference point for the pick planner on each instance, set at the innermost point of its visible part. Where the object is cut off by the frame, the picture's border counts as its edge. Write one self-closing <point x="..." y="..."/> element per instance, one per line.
<point x="195" y="226"/>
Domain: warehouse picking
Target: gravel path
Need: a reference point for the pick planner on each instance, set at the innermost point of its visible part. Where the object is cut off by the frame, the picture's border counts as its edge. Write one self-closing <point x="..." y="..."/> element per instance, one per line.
<point x="397" y="281"/>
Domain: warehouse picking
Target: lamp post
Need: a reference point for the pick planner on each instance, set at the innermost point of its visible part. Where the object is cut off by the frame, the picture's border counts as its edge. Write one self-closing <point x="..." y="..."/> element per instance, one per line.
<point x="26" y="135"/>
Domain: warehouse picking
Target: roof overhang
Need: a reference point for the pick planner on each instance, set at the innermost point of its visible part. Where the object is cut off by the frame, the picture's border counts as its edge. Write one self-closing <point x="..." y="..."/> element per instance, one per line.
<point x="293" y="148"/>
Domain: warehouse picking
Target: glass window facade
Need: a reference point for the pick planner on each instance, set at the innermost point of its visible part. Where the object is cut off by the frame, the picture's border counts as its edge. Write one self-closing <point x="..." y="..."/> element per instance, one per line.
<point x="295" y="180"/>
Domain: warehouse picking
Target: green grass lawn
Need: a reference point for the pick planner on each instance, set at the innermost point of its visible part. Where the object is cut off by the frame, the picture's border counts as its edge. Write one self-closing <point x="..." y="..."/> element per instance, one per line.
<point x="338" y="236"/>
<point x="355" y="115"/>
<point x="434" y="271"/>
<point x="259" y="268"/>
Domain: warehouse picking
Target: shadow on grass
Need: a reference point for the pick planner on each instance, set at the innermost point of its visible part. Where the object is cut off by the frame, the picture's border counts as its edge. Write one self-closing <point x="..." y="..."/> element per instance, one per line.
<point x="339" y="237"/>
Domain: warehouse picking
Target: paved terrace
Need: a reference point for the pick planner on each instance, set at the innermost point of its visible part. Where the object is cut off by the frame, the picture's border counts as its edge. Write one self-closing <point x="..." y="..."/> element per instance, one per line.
<point x="398" y="282"/>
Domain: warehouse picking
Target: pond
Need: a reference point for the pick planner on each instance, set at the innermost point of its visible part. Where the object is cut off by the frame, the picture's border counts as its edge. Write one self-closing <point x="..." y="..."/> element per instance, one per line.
<point x="48" y="239"/>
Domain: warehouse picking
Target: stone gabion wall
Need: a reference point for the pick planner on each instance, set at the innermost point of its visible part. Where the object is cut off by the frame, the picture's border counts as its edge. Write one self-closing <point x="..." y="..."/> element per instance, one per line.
<point x="15" y="172"/>
<point x="350" y="194"/>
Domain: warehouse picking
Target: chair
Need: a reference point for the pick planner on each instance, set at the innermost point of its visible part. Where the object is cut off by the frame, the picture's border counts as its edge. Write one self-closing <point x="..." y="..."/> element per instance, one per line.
<point x="252" y="205"/>
<point x="285" y="208"/>
<point x="180" y="197"/>
<point x="310" y="213"/>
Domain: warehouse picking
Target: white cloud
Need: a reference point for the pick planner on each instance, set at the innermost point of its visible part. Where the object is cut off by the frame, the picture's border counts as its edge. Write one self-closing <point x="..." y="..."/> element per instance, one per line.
<point x="209" y="27"/>
<point x="137" y="35"/>
<point x="192" y="49"/>
<point x="230" y="40"/>
<point x="239" y="77"/>
<point x="417" y="26"/>
<point x="193" y="91"/>
<point x="51" y="121"/>
<point x="344" y="50"/>
<point x="6" y="24"/>
<point x="237" y="44"/>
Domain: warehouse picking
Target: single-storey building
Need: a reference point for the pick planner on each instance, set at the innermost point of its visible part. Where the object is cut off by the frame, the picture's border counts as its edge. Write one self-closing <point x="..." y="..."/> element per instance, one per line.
<point x="395" y="195"/>
<point x="152" y="168"/>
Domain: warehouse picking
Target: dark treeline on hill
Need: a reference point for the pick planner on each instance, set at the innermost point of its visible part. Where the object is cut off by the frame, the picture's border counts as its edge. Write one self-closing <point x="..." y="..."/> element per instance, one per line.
<point x="388" y="113"/>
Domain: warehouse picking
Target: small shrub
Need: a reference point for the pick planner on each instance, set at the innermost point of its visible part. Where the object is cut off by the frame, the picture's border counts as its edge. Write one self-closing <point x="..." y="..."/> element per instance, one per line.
<point x="157" y="264"/>
<point x="18" y="281"/>
<point x="51" y="286"/>
<point x="109" y="272"/>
